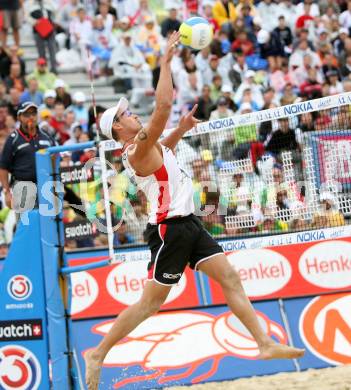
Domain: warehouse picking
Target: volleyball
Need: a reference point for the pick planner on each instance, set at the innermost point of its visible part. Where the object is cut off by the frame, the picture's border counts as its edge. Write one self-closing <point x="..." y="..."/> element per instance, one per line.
<point x="196" y="32"/>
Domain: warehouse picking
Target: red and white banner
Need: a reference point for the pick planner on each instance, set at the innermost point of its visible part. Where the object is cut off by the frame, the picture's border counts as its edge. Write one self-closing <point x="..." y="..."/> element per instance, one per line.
<point x="291" y="270"/>
<point x="106" y="291"/>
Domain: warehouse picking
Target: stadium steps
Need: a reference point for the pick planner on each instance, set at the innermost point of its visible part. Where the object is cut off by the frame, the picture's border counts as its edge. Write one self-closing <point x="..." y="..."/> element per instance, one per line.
<point x="77" y="79"/>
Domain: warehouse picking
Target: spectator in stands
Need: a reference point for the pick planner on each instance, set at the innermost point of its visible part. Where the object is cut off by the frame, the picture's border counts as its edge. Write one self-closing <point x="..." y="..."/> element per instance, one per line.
<point x="58" y="123"/>
<point x="249" y="83"/>
<point x="10" y="10"/>
<point x="171" y="23"/>
<point x="282" y="139"/>
<point x="129" y="65"/>
<point x="345" y="70"/>
<point x="4" y="111"/>
<point x="122" y="236"/>
<point x="205" y="104"/>
<point x="306" y="122"/>
<point x="44" y="31"/>
<point x="102" y="43"/>
<point x="237" y="73"/>
<point x="32" y="93"/>
<point x="211" y="70"/>
<point x="224" y="13"/>
<point x="11" y="56"/>
<point x="103" y="13"/>
<point x="45" y="78"/>
<point x="80" y="31"/>
<point x="49" y="101"/>
<point x="15" y="80"/>
<point x="61" y="94"/>
<point x="67" y="13"/>
<point x="345" y="17"/>
<point x="243" y="43"/>
<point x="328" y="211"/>
<point x="79" y="109"/>
<point x="14" y="101"/>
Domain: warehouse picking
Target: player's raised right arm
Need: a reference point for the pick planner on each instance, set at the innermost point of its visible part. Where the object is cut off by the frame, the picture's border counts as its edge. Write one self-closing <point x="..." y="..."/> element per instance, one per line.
<point x="148" y="136"/>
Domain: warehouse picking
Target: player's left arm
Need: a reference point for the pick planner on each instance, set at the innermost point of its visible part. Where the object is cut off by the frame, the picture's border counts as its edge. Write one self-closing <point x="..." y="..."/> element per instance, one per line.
<point x="186" y="123"/>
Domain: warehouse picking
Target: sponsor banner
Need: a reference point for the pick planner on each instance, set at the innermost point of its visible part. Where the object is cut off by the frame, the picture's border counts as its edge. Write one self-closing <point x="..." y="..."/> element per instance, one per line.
<point x="322" y="325"/>
<point x="272" y="114"/>
<point x="183" y="348"/>
<point x="108" y="290"/>
<point x="76" y="173"/>
<point x="21" y="330"/>
<point x="331" y="156"/>
<point x="82" y="229"/>
<point x="291" y="270"/>
<point x="20" y="369"/>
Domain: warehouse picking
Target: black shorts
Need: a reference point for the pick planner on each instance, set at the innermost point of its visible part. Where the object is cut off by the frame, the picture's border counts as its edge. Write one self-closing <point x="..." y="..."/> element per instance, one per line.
<point x="176" y="242"/>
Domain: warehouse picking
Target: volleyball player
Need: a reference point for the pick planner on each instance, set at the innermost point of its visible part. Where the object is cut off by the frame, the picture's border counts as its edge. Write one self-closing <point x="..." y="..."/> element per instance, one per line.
<point x="175" y="236"/>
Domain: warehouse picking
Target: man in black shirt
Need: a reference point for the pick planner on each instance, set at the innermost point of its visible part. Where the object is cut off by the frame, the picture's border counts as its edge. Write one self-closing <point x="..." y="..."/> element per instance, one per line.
<point x="171" y="23"/>
<point x="18" y="156"/>
<point x="283" y="139"/>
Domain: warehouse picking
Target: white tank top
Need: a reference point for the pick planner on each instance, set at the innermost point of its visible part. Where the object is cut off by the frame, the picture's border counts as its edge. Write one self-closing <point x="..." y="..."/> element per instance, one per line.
<point x="169" y="189"/>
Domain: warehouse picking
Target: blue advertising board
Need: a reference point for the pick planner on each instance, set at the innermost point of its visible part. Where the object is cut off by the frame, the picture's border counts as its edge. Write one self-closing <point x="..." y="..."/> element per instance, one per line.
<point x="182" y="348"/>
<point x="322" y="325"/>
<point x="23" y="340"/>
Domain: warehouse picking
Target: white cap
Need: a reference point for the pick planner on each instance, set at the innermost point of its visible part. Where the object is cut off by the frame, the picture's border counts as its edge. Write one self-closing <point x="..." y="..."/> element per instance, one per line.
<point x="226" y="88"/>
<point x="250" y="73"/>
<point x="79" y="97"/>
<point x="344" y="30"/>
<point x="245" y="106"/>
<point x="59" y="83"/>
<point x="50" y="93"/>
<point x="262" y="36"/>
<point x="327" y="196"/>
<point x="107" y="117"/>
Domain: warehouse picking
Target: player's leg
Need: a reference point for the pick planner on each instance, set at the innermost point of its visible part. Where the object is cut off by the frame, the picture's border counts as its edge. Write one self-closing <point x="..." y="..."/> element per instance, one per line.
<point x="219" y="269"/>
<point x="153" y="297"/>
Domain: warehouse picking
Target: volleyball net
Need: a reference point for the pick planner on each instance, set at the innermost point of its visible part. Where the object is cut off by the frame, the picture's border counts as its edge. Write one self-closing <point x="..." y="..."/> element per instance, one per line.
<point x="282" y="169"/>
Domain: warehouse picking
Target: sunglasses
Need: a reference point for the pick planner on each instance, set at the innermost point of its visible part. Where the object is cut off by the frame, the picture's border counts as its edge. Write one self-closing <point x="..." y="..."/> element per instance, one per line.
<point x="28" y="114"/>
<point x="117" y="117"/>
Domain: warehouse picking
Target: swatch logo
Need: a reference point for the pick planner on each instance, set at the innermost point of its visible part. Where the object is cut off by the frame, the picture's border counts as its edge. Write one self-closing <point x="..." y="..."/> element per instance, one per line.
<point x="325" y="328"/>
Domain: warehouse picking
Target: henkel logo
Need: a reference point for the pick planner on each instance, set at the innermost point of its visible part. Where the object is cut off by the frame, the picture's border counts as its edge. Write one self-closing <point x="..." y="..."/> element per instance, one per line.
<point x="85" y="290"/>
<point x="158" y="344"/>
<point x="327" y="264"/>
<point x="19" y="287"/>
<point x="19" y="369"/>
<point x="262" y="271"/>
<point x="325" y="328"/>
<point x="125" y="283"/>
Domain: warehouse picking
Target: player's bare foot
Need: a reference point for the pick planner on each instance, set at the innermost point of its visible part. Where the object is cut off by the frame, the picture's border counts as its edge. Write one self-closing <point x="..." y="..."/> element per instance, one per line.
<point x="92" y="370"/>
<point x="279" y="351"/>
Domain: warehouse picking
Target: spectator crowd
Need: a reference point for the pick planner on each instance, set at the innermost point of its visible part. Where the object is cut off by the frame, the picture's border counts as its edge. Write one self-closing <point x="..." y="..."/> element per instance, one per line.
<point x="264" y="54"/>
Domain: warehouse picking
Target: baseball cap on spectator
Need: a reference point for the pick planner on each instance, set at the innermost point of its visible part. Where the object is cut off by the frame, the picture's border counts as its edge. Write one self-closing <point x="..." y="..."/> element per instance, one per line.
<point x="322" y="30"/>
<point x="59" y="83"/>
<point x="206" y="155"/>
<point x="249" y="74"/>
<point x="80" y="7"/>
<point x="45" y="114"/>
<point x="332" y="73"/>
<point x="262" y="37"/>
<point x="124" y="20"/>
<point x="26" y="106"/>
<point x="108" y="116"/>
<point x="245" y="107"/>
<point x="79" y="97"/>
<point x="41" y="61"/>
<point x="343" y="30"/>
<point x="226" y="89"/>
<point x="327" y="196"/>
<point x="222" y="101"/>
<point x="50" y="93"/>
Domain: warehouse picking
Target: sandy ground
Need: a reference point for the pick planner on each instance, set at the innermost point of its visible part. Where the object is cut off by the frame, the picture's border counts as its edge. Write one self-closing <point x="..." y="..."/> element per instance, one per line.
<point x="338" y="378"/>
